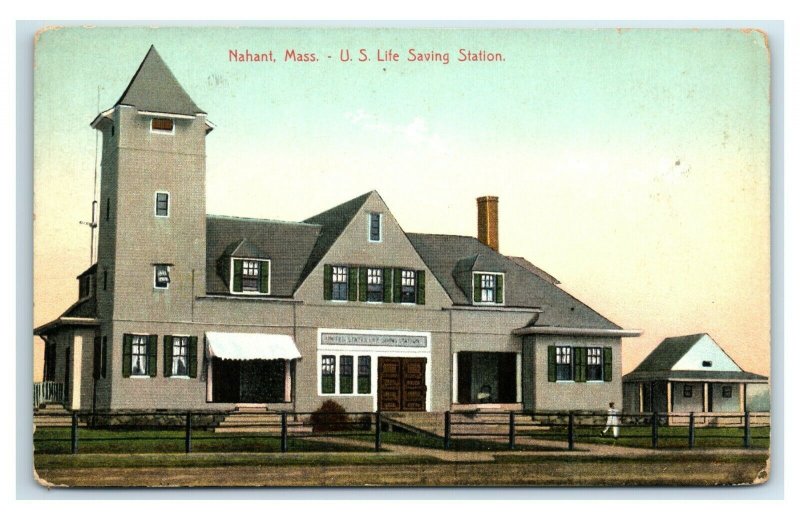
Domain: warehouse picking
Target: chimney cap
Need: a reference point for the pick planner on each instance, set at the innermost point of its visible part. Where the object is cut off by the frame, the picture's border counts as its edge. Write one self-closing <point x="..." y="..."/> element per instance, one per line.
<point x="486" y="198"/>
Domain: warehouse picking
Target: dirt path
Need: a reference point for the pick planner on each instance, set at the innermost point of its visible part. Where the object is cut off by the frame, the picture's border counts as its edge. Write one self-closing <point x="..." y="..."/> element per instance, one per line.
<point x="570" y="472"/>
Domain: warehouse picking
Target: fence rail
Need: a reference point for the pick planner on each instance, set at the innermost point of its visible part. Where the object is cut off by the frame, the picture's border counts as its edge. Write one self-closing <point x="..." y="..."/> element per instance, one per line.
<point x="47" y="392"/>
<point x="285" y="431"/>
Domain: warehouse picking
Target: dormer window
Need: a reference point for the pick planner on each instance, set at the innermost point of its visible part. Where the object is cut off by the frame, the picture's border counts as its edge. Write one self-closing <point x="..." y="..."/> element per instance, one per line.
<point x="250" y="276"/>
<point x="375" y="227"/>
<point x="162" y="125"/>
<point x="487" y="288"/>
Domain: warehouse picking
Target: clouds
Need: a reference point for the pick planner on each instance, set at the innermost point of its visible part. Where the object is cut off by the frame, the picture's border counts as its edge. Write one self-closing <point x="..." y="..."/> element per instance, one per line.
<point x="415" y="131"/>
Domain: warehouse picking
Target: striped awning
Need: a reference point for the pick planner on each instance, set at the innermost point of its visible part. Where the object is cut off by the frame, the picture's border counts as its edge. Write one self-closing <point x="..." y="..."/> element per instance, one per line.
<point x="244" y="346"/>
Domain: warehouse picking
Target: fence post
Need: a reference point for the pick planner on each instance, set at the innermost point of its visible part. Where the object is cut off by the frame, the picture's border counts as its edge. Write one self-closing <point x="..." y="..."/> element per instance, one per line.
<point x="188" y="432"/>
<point x="571" y="431"/>
<point x="512" y="434"/>
<point x="447" y="430"/>
<point x="377" y="431"/>
<point x="74" y="433"/>
<point x="747" y="429"/>
<point x="654" y="428"/>
<point x="284" y="433"/>
<point x="691" y="430"/>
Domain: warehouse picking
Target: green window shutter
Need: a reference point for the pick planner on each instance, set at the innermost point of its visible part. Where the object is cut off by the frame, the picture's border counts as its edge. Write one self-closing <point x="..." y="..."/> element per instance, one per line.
<point x="327" y="283"/>
<point x="498" y="293"/>
<point x="237" y="275"/>
<point x="263" y="283"/>
<point x="152" y="360"/>
<point x="127" y="351"/>
<point x="421" y="287"/>
<point x="608" y="366"/>
<point x="362" y="284"/>
<point x="192" y="361"/>
<point x="352" y="284"/>
<point x="581" y="358"/>
<point x="387" y="285"/>
<point x="476" y="288"/>
<point x="397" y="278"/>
<point x="551" y="363"/>
<point x="96" y="358"/>
<point x="167" y="356"/>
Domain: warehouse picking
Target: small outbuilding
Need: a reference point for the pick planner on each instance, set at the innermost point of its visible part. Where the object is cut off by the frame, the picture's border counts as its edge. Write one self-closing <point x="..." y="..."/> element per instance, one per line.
<point x="693" y="373"/>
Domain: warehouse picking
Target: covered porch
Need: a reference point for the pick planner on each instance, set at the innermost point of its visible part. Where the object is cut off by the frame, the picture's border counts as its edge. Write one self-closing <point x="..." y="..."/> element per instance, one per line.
<point x="245" y="368"/>
<point x="487" y="380"/>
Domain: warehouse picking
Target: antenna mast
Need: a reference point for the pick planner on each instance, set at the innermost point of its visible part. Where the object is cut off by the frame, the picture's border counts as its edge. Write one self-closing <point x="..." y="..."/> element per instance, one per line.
<point x="93" y="223"/>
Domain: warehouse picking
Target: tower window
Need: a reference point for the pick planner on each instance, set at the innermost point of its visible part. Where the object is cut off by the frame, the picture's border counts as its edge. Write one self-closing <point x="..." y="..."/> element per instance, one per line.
<point x="162" y="124"/>
<point x="161" y="276"/>
<point x="162" y="204"/>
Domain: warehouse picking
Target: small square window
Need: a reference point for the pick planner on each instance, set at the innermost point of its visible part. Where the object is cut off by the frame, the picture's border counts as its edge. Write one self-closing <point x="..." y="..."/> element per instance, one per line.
<point x="706" y="363"/>
<point x="161" y="276"/>
<point x="687" y="390"/>
<point x="162" y="124"/>
<point x="375" y="233"/>
<point x="162" y="204"/>
<point x="727" y="391"/>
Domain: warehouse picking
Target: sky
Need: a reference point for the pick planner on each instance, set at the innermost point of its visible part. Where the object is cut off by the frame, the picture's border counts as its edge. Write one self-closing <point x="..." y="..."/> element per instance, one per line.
<point x="633" y="165"/>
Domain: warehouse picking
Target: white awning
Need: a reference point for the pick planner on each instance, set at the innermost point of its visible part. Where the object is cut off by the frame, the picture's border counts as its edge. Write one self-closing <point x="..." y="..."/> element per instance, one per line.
<point x="242" y="346"/>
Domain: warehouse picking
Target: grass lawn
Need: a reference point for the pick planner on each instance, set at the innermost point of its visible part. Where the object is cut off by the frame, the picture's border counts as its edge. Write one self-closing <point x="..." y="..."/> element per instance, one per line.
<point x="456" y="444"/>
<point x="57" y="441"/>
<point x="675" y="437"/>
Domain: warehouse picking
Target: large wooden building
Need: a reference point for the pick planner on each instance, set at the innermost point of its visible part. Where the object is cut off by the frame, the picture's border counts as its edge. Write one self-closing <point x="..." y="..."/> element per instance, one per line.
<point x="185" y="310"/>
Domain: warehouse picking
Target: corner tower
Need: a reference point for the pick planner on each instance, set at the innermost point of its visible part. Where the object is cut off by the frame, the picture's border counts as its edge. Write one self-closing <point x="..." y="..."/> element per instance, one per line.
<point x="152" y="222"/>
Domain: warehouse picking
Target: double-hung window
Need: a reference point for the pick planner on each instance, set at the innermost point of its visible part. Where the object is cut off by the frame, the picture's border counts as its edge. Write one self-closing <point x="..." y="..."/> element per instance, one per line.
<point x="564" y="364"/>
<point x="162" y="204"/>
<point x="139" y="356"/>
<point x="374" y="285"/>
<point x="339" y="280"/>
<point x="328" y="374"/>
<point x="487" y="288"/>
<point x="161" y="278"/>
<point x="345" y="374"/>
<point x="251" y="271"/>
<point x="594" y="364"/>
<point x="375" y="232"/>
<point x="364" y="374"/>
<point x="180" y="356"/>
<point x="249" y="275"/>
<point x="408" y="288"/>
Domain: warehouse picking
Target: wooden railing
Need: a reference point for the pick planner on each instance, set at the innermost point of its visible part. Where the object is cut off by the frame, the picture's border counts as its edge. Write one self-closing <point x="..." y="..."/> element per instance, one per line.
<point x="47" y="392"/>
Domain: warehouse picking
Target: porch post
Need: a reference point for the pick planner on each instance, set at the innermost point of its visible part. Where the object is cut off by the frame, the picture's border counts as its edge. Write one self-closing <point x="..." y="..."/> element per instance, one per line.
<point x="287" y="382"/>
<point x="669" y="397"/>
<point x="705" y="397"/>
<point x="454" y="385"/>
<point x="641" y="397"/>
<point x="519" y="377"/>
<point x="209" y="380"/>
<point x="742" y="390"/>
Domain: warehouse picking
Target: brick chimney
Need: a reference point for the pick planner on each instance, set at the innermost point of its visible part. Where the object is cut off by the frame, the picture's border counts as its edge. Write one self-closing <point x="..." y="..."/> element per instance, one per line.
<point x="487" y="221"/>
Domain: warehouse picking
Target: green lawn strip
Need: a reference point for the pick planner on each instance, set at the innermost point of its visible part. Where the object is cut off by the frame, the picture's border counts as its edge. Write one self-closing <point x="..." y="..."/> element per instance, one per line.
<point x="674" y="437"/>
<point x="57" y="440"/>
<point x="202" y="460"/>
<point x="456" y="443"/>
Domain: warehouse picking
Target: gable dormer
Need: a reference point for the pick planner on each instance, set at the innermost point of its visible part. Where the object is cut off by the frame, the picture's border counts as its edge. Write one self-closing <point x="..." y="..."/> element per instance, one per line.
<point x="87" y="283"/>
<point x="245" y="269"/>
<point x="481" y="278"/>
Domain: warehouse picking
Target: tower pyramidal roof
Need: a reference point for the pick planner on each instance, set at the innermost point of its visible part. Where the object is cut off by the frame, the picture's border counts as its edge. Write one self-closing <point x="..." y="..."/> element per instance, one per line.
<point x="155" y="89"/>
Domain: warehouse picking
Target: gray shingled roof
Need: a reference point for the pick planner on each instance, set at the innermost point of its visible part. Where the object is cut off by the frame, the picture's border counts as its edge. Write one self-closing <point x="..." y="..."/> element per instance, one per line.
<point x="287" y="244"/>
<point x="668" y="352"/>
<point x="155" y="89"/>
<point x="699" y="375"/>
<point x="538" y="271"/>
<point x="331" y="223"/>
<point x="86" y="308"/>
<point x="442" y="253"/>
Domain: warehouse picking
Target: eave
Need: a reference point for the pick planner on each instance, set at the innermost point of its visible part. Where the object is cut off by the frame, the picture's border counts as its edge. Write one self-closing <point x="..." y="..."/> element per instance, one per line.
<point x="65" y="322"/>
<point x="577" y="331"/>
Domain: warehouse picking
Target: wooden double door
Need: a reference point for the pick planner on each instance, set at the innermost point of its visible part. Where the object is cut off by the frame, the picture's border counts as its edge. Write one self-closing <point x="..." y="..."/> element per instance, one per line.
<point x="401" y="384"/>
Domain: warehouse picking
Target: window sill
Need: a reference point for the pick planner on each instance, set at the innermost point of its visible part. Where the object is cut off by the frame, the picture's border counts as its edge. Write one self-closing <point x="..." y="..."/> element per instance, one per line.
<point x="179" y="377"/>
<point x="139" y="377"/>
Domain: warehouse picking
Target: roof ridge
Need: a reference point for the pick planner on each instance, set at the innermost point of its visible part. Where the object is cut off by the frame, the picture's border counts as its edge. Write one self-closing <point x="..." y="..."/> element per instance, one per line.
<point x="257" y="219"/>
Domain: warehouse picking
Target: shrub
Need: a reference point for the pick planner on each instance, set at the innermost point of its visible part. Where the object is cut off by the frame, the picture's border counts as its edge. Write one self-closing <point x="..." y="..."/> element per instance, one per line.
<point x="330" y="417"/>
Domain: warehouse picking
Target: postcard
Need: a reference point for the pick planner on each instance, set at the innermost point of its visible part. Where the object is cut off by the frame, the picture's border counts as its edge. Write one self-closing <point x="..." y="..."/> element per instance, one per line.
<point x="401" y="257"/>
